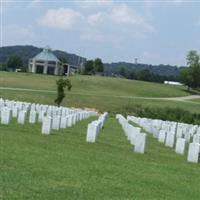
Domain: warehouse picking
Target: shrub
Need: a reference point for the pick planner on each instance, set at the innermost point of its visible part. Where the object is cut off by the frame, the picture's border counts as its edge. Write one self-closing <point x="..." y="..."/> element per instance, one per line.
<point x="171" y="114"/>
<point x="61" y="84"/>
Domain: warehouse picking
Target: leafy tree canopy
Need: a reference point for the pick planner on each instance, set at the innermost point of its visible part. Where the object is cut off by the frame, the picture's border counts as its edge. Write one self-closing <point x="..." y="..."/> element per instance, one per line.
<point x="191" y="75"/>
<point x="98" y="65"/>
<point x="14" y="62"/>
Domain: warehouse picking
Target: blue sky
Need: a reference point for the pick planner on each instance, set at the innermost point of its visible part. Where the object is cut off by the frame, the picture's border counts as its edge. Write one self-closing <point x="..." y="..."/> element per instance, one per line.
<point x="156" y="32"/>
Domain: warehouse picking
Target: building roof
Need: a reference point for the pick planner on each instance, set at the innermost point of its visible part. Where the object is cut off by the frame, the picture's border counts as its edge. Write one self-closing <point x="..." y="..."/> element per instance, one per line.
<point x="46" y="54"/>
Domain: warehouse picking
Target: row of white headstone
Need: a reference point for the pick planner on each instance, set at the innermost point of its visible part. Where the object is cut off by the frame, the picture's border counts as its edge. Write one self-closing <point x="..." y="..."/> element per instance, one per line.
<point x="133" y="134"/>
<point x="174" y="135"/>
<point x="51" y="117"/>
<point x="95" y="127"/>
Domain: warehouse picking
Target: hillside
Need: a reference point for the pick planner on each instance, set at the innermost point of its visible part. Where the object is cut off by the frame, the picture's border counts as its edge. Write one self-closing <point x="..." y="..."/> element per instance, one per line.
<point x="27" y="52"/>
<point x="95" y="85"/>
<point x="104" y="94"/>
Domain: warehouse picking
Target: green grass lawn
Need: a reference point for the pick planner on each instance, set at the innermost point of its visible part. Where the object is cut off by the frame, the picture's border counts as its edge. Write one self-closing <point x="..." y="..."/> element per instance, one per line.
<point x="94" y="85"/>
<point x="101" y="103"/>
<point x="195" y="100"/>
<point x="104" y="94"/>
<point x="63" y="166"/>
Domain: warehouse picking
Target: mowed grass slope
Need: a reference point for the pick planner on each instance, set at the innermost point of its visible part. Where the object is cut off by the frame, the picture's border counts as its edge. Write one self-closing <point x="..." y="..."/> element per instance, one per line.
<point x="95" y="85"/>
<point x="102" y="93"/>
<point x="102" y="103"/>
<point x="63" y="166"/>
<point x="195" y="100"/>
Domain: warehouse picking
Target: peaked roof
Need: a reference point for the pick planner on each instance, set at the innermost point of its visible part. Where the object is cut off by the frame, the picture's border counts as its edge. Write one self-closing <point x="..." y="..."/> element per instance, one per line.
<point x="46" y="54"/>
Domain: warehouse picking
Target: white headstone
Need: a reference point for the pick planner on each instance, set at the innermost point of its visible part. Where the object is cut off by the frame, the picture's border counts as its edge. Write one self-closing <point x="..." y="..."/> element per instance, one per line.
<point x="74" y="119"/>
<point x="5" y="115"/>
<point x="46" y="125"/>
<point x="21" y="117"/>
<point x="187" y="136"/>
<point x="56" y="122"/>
<point x="133" y="131"/>
<point x="162" y="136"/>
<point x="41" y="115"/>
<point x="170" y="139"/>
<point x="196" y="138"/>
<point x="155" y="132"/>
<point x="140" y="143"/>
<point x="193" y="152"/>
<point x="15" y="112"/>
<point x="180" y="146"/>
<point x="179" y="133"/>
<point x="63" y="122"/>
<point x="91" y="133"/>
<point x="69" y="121"/>
<point x="32" y="116"/>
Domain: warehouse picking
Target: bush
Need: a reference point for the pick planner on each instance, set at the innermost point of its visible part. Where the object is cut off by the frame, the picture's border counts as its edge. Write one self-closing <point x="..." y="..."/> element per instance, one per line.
<point x="61" y="84"/>
<point x="171" y="114"/>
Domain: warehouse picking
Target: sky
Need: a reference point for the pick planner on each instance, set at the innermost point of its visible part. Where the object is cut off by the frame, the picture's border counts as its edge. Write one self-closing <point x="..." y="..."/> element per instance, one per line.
<point x="155" y="32"/>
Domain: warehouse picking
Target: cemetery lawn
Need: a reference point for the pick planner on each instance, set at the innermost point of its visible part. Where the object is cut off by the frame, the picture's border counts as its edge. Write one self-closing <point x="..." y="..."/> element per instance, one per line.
<point x="63" y="166"/>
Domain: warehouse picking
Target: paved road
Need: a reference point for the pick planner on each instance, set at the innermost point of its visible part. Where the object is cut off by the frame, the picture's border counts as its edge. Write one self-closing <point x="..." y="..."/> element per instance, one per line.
<point x="185" y="98"/>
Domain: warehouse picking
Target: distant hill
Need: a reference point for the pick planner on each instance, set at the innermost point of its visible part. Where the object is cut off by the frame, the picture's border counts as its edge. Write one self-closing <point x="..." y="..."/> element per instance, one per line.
<point x="26" y="52"/>
<point x="164" y="70"/>
<point x="29" y="51"/>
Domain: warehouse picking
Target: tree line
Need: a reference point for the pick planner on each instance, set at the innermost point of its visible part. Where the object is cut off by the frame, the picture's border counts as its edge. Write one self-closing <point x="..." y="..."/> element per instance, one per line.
<point x="146" y="75"/>
<point x="189" y="76"/>
<point x="92" y="67"/>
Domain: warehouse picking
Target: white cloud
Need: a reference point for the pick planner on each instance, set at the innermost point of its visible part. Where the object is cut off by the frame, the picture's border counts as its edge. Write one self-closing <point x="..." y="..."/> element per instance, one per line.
<point x="34" y="3"/>
<point x="62" y="18"/>
<point x="95" y="19"/>
<point x="91" y="4"/>
<point x="116" y="23"/>
<point x="122" y="14"/>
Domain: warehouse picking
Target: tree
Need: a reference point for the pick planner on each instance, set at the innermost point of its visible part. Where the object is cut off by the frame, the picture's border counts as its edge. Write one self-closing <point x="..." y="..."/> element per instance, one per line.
<point x="192" y="58"/>
<point x="132" y="75"/>
<point x="3" y="67"/>
<point x="191" y="75"/>
<point x="89" y="67"/>
<point x="14" y="62"/>
<point x="61" y="84"/>
<point x="186" y="77"/>
<point x="145" y="75"/>
<point x="123" y="71"/>
<point x="98" y="65"/>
